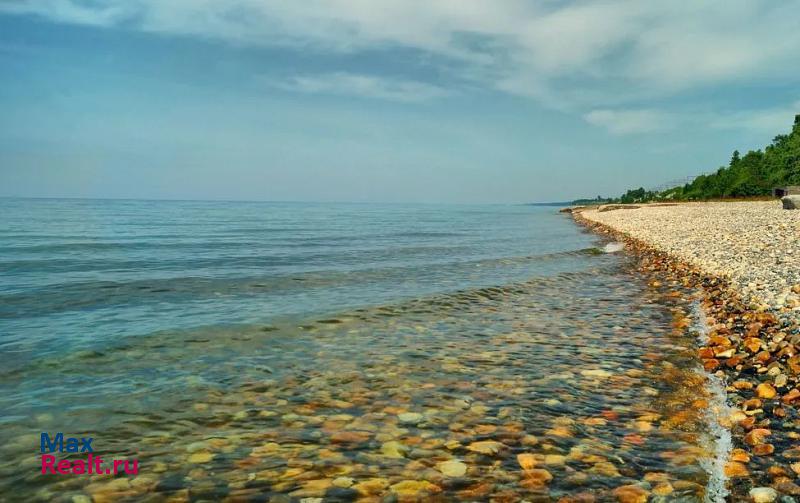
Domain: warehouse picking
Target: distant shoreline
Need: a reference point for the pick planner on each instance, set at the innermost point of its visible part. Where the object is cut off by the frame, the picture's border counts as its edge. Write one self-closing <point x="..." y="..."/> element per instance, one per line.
<point x="556" y="204"/>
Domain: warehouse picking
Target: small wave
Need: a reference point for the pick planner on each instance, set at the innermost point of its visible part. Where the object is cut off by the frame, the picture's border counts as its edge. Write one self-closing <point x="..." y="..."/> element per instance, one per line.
<point x="422" y="234"/>
<point x="86" y="295"/>
<point x="717" y="412"/>
<point x="699" y="323"/>
<point x="613" y="247"/>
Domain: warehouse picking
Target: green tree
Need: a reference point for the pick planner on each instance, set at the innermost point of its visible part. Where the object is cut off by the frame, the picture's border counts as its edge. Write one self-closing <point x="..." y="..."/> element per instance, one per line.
<point x="754" y="174"/>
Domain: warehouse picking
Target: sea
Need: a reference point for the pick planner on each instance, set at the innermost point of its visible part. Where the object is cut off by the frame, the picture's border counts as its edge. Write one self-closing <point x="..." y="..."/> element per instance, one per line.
<point x="264" y="351"/>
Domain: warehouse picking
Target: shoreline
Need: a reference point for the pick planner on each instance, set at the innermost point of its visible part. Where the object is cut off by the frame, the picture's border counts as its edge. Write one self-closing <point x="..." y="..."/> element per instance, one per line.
<point x="752" y="348"/>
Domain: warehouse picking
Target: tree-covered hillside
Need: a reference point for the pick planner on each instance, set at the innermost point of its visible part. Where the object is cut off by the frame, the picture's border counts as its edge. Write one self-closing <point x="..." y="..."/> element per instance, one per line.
<point x="753" y="174"/>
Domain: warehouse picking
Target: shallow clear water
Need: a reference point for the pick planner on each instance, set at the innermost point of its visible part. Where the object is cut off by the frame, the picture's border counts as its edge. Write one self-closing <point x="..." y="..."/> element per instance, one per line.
<point x="262" y="350"/>
<point x="81" y="272"/>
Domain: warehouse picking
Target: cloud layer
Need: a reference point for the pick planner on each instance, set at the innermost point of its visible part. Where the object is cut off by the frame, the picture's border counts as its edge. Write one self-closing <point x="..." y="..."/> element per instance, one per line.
<point x="369" y="86"/>
<point x="629" y="121"/>
<point x="600" y="59"/>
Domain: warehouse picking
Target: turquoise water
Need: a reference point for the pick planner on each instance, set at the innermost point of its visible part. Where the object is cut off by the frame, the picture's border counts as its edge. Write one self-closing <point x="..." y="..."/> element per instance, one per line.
<point x="86" y="273"/>
<point x="261" y="351"/>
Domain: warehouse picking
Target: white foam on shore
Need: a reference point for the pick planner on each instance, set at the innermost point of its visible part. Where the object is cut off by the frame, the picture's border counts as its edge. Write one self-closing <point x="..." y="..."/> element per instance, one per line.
<point x="700" y="325"/>
<point x="720" y="442"/>
<point x="718" y="408"/>
<point x="613" y="247"/>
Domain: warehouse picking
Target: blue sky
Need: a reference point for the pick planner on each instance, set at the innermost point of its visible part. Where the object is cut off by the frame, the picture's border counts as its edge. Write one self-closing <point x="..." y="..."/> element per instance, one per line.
<point x="391" y="101"/>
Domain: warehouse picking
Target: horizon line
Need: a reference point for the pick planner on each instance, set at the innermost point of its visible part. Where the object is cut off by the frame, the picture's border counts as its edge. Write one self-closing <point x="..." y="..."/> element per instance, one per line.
<point x="284" y="201"/>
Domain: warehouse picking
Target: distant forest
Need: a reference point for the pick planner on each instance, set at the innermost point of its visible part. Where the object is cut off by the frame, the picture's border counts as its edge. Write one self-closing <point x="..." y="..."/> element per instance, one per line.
<point x="754" y="174"/>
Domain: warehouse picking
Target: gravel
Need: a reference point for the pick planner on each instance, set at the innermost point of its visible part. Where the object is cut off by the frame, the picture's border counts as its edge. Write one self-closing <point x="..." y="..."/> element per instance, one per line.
<point x="755" y="245"/>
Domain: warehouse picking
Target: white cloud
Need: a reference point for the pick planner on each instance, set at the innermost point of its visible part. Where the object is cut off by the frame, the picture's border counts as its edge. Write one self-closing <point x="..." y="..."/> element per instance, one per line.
<point x="575" y="56"/>
<point x="623" y="122"/>
<point x="365" y="86"/>
<point x="69" y="11"/>
<point x="769" y="121"/>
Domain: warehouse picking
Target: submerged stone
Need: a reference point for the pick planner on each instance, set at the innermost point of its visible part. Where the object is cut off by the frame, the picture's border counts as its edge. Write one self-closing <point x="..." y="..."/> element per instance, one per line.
<point x="371" y="487"/>
<point x="526" y="461"/>
<point x="200" y="457"/>
<point x="631" y="494"/>
<point x="595" y="373"/>
<point x="343" y="482"/>
<point x="414" y="489"/>
<point x="394" y="449"/>
<point x="487" y="447"/>
<point x="410" y="417"/>
<point x="535" y="478"/>
<point x="452" y="468"/>
<point x="763" y="494"/>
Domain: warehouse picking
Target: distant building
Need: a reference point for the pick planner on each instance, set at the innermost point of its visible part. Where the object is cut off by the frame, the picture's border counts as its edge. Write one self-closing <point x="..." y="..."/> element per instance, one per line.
<point x="791" y="190"/>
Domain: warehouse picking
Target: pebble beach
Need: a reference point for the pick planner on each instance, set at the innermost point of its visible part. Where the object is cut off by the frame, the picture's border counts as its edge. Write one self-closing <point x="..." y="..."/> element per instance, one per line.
<point x="737" y="266"/>
<point x="755" y="245"/>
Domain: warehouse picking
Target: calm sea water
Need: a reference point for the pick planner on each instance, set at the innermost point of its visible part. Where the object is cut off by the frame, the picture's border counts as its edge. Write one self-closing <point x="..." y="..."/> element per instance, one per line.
<point x="88" y="273"/>
<point x="268" y="350"/>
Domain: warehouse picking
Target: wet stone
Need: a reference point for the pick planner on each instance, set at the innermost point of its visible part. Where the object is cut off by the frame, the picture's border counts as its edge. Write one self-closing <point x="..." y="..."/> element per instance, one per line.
<point x="410" y="418"/>
<point x="631" y="494"/>
<point x="371" y="487"/>
<point x="487" y="447"/>
<point x="452" y="468"/>
<point x="763" y="494"/>
<point x="340" y="494"/>
<point x="414" y="489"/>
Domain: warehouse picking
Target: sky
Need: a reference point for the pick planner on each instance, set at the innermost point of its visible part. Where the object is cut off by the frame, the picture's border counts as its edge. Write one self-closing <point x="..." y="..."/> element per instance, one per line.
<point x="436" y="101"/>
